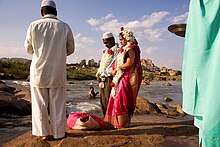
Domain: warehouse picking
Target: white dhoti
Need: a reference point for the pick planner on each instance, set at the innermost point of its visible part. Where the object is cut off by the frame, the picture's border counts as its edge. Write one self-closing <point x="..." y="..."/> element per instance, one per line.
<point x="54" y="100"/>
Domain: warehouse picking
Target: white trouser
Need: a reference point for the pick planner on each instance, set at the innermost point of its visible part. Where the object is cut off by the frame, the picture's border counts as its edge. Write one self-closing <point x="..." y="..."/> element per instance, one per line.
<point x="53" y="99"/>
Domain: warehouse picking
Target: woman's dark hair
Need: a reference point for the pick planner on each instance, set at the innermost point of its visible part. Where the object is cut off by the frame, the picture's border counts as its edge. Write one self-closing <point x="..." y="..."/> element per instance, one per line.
<point x="49" y="10"/>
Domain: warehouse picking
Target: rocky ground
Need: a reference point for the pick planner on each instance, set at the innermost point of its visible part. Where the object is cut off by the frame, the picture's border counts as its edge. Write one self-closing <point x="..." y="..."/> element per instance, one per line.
<point x="153" y="125"/>
<point x="145" y="130"/>
<point x="13" y="127"/>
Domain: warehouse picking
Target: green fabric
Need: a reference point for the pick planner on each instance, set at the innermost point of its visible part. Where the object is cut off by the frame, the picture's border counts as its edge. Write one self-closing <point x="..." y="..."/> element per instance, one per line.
<point x="201" y="69"/>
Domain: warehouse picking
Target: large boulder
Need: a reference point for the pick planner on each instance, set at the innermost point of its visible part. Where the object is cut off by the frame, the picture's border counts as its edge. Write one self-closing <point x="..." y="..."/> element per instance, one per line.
<point x="15" y="107"/>
<point x="24" y="94"/>
<point x="4" y="87"/>
<point x="6" y="95"/>
<point x="143" y="106"/>
<point x="165" y="110"/>
<point x="178" y="108"/>
<point x="11" y="104"/>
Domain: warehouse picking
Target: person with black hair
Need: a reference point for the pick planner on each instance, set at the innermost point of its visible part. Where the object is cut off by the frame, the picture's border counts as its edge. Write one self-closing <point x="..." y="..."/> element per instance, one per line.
<point x="49" y="41"/>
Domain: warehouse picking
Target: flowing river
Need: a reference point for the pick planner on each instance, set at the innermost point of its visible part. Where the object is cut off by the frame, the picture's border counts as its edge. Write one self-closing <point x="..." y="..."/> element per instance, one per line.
<point x="77" y="93"/>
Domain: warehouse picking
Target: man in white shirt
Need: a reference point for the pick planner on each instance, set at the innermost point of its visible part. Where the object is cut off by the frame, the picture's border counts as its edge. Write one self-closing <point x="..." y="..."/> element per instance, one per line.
<point x="103" y="74"/>
<point x="49" y="41"/>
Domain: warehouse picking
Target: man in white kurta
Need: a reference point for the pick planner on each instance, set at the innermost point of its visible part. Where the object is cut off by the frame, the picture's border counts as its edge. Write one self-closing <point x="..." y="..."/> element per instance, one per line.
<point x="104" y="71"/>
<point x="49" y="41"/>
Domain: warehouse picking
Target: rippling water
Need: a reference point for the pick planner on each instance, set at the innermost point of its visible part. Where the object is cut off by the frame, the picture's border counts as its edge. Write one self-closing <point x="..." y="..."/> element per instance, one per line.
<point x="77" y="94"/>
<point x="157" y="91"/>
<point x="77" y="100"/>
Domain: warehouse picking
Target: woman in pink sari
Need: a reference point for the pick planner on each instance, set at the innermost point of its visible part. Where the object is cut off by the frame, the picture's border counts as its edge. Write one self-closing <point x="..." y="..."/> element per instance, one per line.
<point x="127" y="76"/>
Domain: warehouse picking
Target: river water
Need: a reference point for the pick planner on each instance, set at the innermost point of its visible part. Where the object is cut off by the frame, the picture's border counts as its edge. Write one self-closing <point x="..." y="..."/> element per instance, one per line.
<point x="78" y="101"/>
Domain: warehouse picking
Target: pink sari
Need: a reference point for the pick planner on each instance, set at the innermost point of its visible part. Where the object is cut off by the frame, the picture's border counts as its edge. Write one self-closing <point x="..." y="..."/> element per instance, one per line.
<point x="121" y="108"/>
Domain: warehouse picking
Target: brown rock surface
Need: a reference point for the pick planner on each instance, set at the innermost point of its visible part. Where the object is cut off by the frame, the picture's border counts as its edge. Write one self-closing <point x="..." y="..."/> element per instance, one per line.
<point x="4" y="87"/>
<point x="18" y="104"/>
<point x="24" y="94"/>
<point x="145" y="131"/>
<point x="143" y="106"/>
<point x="178" y="108"/>
<point x="165" y="110"/>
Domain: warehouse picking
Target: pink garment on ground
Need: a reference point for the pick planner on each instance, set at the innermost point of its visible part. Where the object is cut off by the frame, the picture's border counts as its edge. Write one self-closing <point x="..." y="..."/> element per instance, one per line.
<point x="82" y="120"/>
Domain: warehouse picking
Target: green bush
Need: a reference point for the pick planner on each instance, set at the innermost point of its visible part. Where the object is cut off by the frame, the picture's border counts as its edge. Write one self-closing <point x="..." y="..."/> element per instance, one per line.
<point x="18" y="69"/>
<point x="80" y="74"/>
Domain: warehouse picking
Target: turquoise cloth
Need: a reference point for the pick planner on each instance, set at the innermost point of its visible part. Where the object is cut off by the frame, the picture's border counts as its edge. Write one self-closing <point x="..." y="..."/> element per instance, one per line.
<point x="201" y="69"/>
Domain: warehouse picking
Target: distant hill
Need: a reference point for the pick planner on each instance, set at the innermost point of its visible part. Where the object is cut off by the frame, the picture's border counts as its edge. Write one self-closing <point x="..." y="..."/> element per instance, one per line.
<point x="11" y="60"/>
<point x="18" y="68"/>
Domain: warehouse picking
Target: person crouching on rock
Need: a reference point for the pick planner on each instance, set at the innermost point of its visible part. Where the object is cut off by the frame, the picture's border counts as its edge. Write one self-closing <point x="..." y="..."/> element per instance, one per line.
<point x="92" y="94"/>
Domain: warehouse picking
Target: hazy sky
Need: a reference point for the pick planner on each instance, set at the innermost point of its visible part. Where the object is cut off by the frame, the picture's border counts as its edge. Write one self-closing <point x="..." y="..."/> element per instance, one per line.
<point x="89" y="19"/>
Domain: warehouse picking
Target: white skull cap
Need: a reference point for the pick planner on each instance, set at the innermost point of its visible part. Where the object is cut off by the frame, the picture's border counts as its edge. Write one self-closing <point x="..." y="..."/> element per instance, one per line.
<point x="48" y="3"/>
<point x="107" y="35"/>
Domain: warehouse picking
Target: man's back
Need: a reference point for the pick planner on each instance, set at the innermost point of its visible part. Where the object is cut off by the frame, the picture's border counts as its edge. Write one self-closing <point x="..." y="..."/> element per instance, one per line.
<point x="49" y="41"/>
<point x="49" y="44"/>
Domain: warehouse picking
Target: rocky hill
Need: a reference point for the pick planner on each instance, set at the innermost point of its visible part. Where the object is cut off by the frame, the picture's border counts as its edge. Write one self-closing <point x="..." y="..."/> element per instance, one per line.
<point x="148" y="65"/>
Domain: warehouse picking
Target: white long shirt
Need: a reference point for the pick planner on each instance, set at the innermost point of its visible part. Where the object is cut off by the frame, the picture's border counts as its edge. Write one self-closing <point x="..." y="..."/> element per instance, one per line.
<point x="49" y="41"/>
<point x="107" y="61"/>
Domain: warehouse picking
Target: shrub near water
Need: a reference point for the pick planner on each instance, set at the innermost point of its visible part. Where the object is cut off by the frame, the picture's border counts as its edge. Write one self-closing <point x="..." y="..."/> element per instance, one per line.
<point x="17" y="69"/>
<point x="85" y="74"/>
